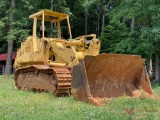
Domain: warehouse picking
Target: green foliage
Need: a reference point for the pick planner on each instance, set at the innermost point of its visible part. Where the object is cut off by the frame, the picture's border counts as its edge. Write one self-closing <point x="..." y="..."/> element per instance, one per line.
<point x="143" y="38"/>
<point x="3" y="48"/>
<point x="120" y="34"/>
<point x="1" y="24"/>
<point x="117" y="36"/>
<point x="22" y="25"/>
<point x="113" y="38"/>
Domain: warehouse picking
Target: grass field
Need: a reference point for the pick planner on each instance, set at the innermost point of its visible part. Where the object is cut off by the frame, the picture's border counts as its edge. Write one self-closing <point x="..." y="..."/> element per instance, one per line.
<point x="21" y="105"/>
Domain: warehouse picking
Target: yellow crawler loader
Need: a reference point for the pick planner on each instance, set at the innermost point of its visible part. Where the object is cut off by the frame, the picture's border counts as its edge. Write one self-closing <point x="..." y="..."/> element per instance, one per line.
<point x="62" y="66"/>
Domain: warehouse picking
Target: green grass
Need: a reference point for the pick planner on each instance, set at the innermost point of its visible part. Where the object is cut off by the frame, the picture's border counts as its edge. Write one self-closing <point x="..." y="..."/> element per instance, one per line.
<point x="22" y="105"/>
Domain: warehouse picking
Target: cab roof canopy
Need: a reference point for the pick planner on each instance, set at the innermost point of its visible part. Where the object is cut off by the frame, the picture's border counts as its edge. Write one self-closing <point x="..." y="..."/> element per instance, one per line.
<point x="49" y="16"/>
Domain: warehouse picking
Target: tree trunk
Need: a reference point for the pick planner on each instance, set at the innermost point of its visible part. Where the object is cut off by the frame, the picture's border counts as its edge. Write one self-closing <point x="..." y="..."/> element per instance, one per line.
<point x="91" y="30"/>
<point x="98" y="24"/>
<point x="41" y="4"/>
<point x="103" y="19"/>
<point x="86" y="21"/>
<point x="52" y="1"/>
<point x="105" y="5"/>
<point x="74" y="32"/>
<point x="51" y="33"/>
<point x="132" y="23"/>
<point x="157" y="64"/>
<point x="157" y="71"/>
<point x="150" y="68"/>
<point x="10" y="42"/>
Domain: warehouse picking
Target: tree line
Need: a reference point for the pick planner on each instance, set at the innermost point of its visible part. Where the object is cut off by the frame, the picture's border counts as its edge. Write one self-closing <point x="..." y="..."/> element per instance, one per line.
<point x="123" y="26"/>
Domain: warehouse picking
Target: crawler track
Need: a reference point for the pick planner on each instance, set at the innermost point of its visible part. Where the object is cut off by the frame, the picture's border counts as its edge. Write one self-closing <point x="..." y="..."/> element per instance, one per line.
<point x="56" y="80"/>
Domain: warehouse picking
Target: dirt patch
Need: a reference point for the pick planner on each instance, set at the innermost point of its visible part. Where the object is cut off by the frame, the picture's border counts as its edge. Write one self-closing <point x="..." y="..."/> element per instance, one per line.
<point x="142" y="94"/>
<point x="135" y="94"/>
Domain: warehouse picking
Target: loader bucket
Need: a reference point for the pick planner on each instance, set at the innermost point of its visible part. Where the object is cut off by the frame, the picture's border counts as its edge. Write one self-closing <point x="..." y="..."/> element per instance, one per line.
<point x="109" y="75"/>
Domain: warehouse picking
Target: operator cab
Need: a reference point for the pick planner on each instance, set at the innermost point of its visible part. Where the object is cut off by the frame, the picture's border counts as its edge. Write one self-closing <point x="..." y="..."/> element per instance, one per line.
<point x="47" y="16"/>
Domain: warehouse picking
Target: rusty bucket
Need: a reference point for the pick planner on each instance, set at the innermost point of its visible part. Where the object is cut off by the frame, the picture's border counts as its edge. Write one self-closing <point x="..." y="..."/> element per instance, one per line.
<point x="109" y="75"/>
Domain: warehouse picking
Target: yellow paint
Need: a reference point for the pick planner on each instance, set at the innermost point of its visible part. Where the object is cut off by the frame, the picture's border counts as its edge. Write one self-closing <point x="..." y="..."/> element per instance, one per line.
<point x="54" y="51"/>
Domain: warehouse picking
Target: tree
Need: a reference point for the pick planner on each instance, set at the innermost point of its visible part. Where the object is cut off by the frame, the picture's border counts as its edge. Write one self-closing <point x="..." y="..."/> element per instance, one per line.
<point x="10" y="39"/>
<point x="124" y="26"/>
<point x="140" y="32"/>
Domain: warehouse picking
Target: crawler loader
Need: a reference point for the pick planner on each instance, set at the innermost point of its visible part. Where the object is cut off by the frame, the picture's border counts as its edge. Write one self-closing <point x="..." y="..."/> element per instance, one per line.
<point x="64" y="66"/>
